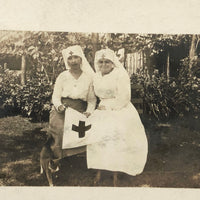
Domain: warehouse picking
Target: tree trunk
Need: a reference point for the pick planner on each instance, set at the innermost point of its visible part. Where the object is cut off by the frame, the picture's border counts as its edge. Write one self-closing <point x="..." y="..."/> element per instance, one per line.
<point x="168" y="66"/>
<point x="46" y="74"/>
<point x="23" y="69"/>
<point x="95" y="40"/>
<point x="53" y="74"/>
<point x="192" y="53"/>
<point x="125" y="57"/>
<point x="5" y="66"/>
<point x="108" y="37"/>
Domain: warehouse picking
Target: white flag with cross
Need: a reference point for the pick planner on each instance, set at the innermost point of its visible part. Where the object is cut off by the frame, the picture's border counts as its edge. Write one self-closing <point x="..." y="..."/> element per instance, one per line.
<point x="76" y="126"/>
<point x="80" y="130"/>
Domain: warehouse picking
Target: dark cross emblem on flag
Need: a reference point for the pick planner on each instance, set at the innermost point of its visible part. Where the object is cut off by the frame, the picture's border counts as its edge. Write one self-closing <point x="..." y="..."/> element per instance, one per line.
<point x="81" y="128"/>
<point x="71" y="53"/>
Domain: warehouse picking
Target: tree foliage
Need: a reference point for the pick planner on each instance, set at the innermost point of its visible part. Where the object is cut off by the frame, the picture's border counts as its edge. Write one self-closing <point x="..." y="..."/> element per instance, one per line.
<point x="149" y="43"/>
<point x="43" y="48"/>
<point x="164" y="98"/>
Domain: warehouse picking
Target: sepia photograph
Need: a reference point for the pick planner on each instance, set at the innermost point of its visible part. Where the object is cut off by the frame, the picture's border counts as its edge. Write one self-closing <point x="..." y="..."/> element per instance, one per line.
<point x="99" y="99"/>
<point x="99" y="109"/>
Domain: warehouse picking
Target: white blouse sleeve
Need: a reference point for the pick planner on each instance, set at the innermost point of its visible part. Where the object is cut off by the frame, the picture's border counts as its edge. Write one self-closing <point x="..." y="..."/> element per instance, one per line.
<point x="56" y="97"/>
<point x="91" y="99"/>
<point x="123" y="94"/>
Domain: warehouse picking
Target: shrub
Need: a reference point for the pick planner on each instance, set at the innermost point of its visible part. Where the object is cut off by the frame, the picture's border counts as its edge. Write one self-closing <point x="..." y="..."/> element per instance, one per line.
<point x="166" y="99"/>
<point x="34" y="98"/>
<point x="187" y="96"/>
<point x="31" y="100"/>
<point x="9" y="84"/>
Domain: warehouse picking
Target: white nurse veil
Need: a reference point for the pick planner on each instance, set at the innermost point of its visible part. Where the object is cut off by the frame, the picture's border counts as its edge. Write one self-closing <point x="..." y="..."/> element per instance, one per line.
<point x="107" y="54"/>
<point x="76" y="50"/>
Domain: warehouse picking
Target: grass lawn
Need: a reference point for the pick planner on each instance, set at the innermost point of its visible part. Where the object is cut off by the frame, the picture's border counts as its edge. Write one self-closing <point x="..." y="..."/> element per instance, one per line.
<point x="173" y="159"/>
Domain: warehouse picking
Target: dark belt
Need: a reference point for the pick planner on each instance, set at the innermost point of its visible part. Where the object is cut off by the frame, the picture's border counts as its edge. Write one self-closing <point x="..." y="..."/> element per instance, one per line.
<point x="76" y="104"/>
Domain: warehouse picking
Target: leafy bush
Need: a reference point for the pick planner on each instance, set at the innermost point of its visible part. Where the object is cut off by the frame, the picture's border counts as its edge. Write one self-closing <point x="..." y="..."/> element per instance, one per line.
<point x="155" y="90"/>
<point x="31" y="100"/>
<point x="9" y="84"/>
<point x="166" y="99"/>
<point x="34" y="98"/>
<point x="187" y="97"/>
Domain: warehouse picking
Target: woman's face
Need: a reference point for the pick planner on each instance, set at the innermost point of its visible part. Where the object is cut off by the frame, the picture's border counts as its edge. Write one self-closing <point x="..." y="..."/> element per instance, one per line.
<point x="74" y="62"/>
<point x="105" y="66"/>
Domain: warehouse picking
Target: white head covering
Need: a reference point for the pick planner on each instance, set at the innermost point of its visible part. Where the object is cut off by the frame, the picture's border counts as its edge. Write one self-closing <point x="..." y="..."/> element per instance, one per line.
<point x="76" y="50"/>
<point x="107" y="54"/>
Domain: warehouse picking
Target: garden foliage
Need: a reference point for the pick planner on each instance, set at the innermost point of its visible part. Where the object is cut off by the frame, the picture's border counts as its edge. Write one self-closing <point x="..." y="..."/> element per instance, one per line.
<point x="31" y="100"/>
<point x="166" y="99"/>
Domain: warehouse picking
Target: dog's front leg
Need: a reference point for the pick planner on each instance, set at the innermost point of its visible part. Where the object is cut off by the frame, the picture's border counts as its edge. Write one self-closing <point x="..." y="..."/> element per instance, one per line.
<point x="49" y="176"/>
<point x="115" y="179"/>
<point x="97" y="178"/>
<point x="44" y="165"/>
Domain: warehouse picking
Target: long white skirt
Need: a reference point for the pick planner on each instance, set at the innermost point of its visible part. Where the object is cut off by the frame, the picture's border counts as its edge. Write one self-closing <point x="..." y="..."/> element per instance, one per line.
<point x="124" y="147"/>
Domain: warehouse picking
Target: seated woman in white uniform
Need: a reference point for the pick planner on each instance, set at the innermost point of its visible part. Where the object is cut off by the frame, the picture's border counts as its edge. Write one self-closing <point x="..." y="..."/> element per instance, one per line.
<point x="125" y="146"/>
<point x="73" y="88"/>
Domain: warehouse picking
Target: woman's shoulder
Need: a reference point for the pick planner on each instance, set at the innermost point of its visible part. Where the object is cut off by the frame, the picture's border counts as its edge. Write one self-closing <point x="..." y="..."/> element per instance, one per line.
<point x="87" y="77"/>
<point x="97" y="76"/>
<point x="121" y="73"/>
<point x="113" y="74"/>
<point x="117" y="73"/>
<point x="63" y="74"/>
